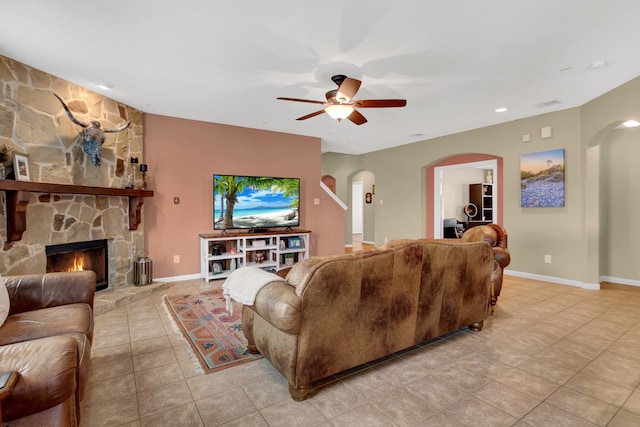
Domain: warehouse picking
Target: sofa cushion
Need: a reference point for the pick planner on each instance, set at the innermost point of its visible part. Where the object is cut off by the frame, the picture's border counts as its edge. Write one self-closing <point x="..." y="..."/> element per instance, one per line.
<point x="4" y="301"/>
<point x="47" y="370"/>
<point x="45" y="322"/>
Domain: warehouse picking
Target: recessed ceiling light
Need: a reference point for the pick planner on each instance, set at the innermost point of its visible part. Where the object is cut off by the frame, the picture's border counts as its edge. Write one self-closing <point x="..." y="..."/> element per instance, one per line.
<point x="628" y="124"/>
<point x="501" y="109"/>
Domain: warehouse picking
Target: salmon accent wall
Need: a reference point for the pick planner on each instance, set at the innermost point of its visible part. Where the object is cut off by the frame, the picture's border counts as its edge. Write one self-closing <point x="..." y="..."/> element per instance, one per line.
<point x="456" y="160"/>
<point x="183" y="155"/>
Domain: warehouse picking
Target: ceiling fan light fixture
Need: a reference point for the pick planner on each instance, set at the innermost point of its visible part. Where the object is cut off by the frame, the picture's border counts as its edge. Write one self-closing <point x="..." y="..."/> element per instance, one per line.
<point x="339" y="111"/>
<point x="342" y="98"/>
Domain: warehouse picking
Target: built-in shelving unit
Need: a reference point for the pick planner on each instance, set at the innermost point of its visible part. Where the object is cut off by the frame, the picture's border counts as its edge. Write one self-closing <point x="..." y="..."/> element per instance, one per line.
<point x="220" y="254"/>
<point x="481" y="195"/>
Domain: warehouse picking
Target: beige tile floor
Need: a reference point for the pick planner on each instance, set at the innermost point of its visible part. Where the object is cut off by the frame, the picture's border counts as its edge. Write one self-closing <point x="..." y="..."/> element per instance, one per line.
<point x="550" y="355"/>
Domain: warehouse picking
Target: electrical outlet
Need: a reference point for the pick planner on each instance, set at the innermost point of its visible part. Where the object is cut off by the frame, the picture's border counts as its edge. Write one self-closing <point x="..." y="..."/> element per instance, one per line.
<point x="176" y="259"/>
<point x="547" y="259"/>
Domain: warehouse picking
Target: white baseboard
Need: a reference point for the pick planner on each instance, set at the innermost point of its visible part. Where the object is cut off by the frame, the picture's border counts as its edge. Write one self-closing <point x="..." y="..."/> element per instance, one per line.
<point x="177" y="278"/>
<point x="558" y="280"/>
<point x="619" y="281"/>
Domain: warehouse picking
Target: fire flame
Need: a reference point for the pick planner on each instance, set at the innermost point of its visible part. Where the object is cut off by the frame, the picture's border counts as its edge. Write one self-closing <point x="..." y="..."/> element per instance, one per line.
<point x="78" y="263"/>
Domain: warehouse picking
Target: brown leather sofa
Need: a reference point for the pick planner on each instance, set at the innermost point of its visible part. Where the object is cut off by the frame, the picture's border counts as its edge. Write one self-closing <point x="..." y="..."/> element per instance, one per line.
<point x="496" y="236"/>
<point x="334" y="313"/>
<point x="47" y="340"/>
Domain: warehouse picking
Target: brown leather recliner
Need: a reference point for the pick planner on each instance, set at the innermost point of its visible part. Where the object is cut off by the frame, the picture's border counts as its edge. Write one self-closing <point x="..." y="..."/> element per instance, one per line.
<point x="496" y="236"/>
<point x="46" y="339"/>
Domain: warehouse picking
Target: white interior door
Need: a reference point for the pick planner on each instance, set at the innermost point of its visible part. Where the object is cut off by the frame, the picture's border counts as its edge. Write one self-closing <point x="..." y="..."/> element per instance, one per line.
<point x="357" y="217"/>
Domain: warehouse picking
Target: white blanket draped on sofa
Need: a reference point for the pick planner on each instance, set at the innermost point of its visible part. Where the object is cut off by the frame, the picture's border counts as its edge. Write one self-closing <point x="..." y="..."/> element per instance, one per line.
<point x="243" y="285"/>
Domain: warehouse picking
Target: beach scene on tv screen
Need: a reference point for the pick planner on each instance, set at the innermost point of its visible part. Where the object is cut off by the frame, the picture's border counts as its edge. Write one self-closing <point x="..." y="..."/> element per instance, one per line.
<point x="255" y="202"/>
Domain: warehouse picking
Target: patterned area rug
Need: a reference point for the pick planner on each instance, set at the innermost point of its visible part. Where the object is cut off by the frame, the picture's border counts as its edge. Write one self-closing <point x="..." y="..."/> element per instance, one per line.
<point x="215" y="336"/>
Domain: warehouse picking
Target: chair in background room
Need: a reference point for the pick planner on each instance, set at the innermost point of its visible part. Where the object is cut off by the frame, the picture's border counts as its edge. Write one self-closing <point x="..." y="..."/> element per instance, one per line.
<point x="452" y="229"/>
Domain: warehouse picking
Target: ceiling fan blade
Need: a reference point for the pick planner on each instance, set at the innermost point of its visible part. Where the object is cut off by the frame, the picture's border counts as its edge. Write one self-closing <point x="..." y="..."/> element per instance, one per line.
<point x="301" y="100"/>
<point x="347" y="90"/>
<point x="357" y="118"/>
<point x="380" y="103"/>
<point x="308" y="116"/>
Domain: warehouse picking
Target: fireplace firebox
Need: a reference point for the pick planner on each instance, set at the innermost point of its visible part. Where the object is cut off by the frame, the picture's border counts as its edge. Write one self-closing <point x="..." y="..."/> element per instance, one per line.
<point x="90" y="255"/>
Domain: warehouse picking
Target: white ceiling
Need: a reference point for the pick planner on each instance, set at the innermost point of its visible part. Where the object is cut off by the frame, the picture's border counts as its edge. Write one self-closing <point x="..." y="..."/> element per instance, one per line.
<point x="455" y="61"/>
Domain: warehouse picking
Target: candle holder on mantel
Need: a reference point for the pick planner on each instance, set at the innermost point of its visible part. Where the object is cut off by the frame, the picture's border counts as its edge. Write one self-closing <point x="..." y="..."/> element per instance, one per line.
<point x="131" y="178"/>
<point x="143" y="169"/>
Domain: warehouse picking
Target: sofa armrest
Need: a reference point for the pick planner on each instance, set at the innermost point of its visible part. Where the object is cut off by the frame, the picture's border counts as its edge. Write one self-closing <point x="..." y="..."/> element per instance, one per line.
<point x="502" y="256"/>
<point x="35" y="291"/>
<point x="279" y="305"/>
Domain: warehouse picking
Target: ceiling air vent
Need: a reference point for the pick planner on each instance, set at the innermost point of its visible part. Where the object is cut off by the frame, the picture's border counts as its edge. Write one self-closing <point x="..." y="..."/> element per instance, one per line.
<point x="548" y="103"/>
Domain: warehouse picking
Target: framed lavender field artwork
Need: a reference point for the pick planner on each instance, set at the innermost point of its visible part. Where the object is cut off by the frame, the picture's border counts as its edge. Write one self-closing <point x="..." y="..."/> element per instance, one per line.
<point x="542" y="179"/>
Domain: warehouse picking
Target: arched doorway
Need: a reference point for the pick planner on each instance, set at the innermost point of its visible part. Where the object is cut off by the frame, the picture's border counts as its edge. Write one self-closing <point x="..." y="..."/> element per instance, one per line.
<point x="434" y="212"/>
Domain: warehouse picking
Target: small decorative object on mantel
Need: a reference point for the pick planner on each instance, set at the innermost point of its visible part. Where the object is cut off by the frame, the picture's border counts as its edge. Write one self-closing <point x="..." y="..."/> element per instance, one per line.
<point x="92" y="134"/>
<point x="21" y="167"/>
<point x="143" y="169"/>
<point x="131" y="178"/>
<point x="5" y="155"/>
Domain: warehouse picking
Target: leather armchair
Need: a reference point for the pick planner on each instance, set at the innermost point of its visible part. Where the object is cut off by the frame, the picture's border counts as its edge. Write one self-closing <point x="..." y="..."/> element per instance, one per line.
<point x="46" y="339"/>
<point x="496" y="236"/>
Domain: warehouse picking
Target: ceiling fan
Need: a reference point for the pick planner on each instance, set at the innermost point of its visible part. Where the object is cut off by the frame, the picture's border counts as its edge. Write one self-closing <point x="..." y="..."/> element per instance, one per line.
<point x="341" y="105"/>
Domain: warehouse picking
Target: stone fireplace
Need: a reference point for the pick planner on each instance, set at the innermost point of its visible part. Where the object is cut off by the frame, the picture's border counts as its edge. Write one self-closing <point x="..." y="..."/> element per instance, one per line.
<point x="33" y="122"/>
<point x="63" y="223"/>
<point x="91" y="255"/>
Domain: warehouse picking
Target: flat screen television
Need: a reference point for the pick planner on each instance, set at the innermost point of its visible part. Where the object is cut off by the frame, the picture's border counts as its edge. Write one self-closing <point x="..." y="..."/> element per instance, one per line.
<point x="255" y="202"/>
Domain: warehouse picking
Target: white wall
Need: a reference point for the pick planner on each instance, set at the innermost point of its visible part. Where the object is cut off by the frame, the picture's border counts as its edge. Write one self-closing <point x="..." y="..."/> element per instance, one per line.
<point x="455" y="190"/>
<point x="620" y="155"/>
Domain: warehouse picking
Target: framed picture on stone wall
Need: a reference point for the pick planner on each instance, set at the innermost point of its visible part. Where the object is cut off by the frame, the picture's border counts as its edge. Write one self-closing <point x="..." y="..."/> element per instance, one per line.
<point x="21" y="167"/>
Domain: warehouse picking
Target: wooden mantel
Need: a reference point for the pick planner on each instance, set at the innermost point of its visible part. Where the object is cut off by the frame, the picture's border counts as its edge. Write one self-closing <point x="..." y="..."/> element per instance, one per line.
<point x="19" y="192"/>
